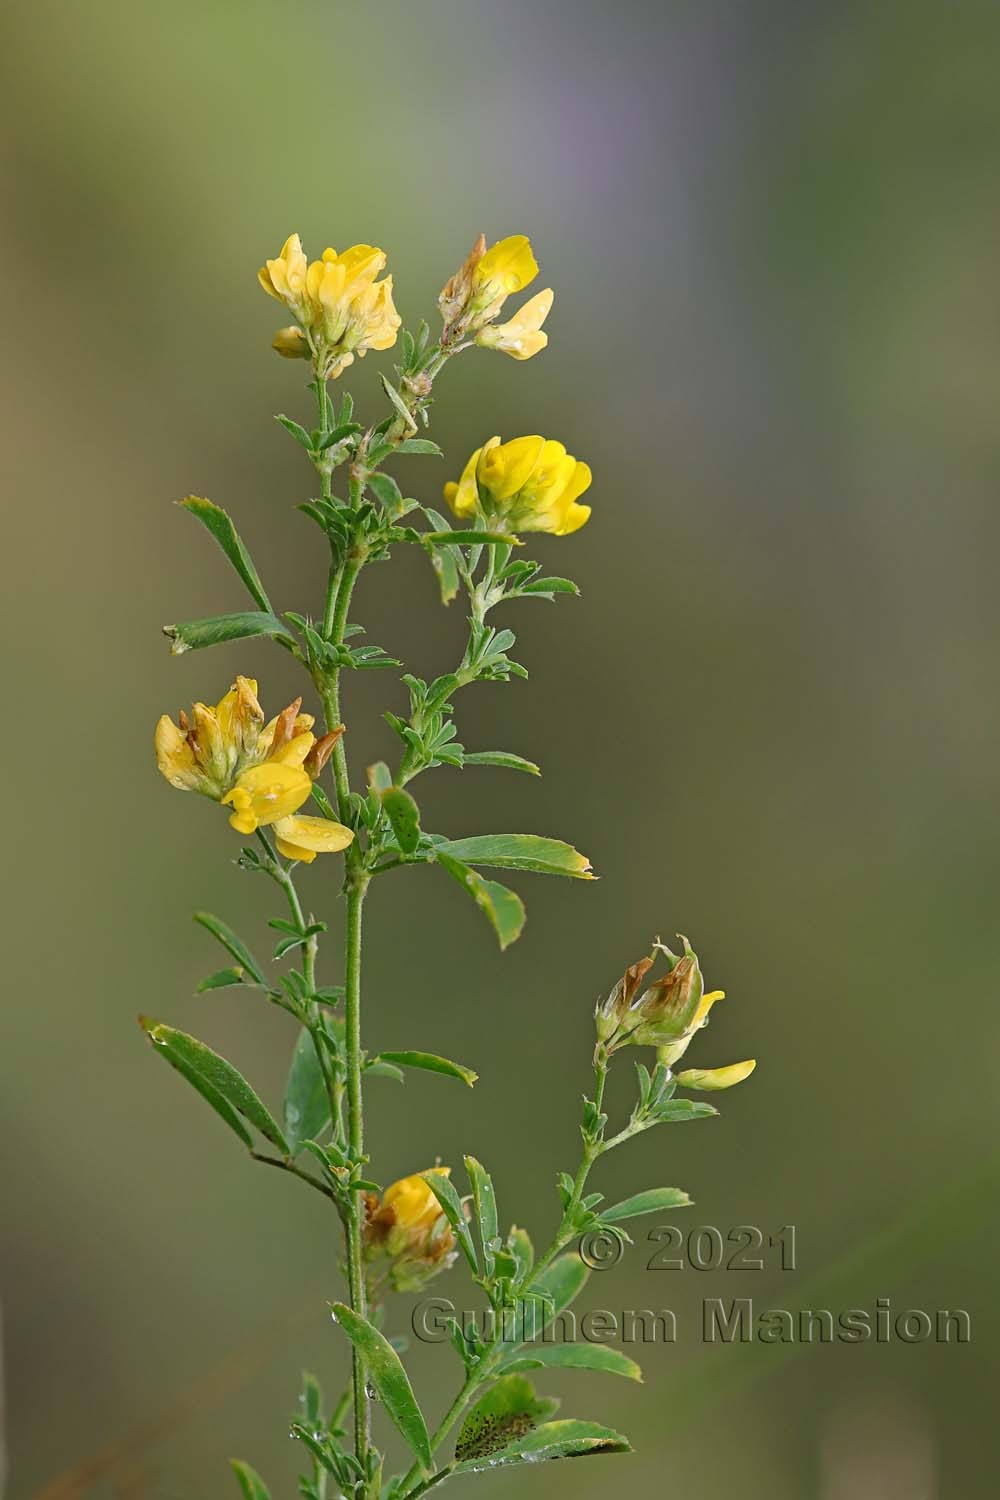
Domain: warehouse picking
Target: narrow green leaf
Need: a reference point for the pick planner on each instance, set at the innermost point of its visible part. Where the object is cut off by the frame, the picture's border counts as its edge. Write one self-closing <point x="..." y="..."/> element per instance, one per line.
<point x="249" y="1481"/>
<point x="574" y="1357"/>
<point x="307" y="1104"/>
<point x="218" y="522"/>
<point x="569" y="1439"/>
<point x="208" y="1092"/>
<point x="404" y="815"/>
<point x="221" y="979"/>
<point x="503" y="908"/>
<point x="519" y="851"/>
<point x="195" y="635"/>
<point x="384" y="1369"/>
<point x="551" y="1293"/>
<point x="677" y="1110"/>
<point x="649" y="1202"/>
<point x="471" y="538"/>
<point x="231" y="942"/>
<point x="379" y="776"/>
<point x="485" y="1203"/>
<point x="398" y="402"/>
<point x="503" y="758"/>
<point x="549" y="586"/>
<point x="330" y="439"/>
<point x="296" y="430"/>
<point x="192" y="1057"/>
<point x="432" y="1064"/>
<point x="451" y="1206"/>
<point x="419" y="445"/>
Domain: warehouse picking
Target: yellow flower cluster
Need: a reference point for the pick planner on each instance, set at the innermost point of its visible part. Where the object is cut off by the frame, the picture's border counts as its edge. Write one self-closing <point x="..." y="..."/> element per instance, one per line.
<point x="408" y="1230"/>
<point x="528" y="484"/>
<point x="341" y="309"/>
<point x="472" y="300"/>
<point x="264" y="772"/>
<point x="666" y="1016"/>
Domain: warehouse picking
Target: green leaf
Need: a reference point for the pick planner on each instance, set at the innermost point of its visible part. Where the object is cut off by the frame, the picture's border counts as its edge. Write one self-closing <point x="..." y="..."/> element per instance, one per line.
<point x="419" y="445"/>
<point x="197" y="1062"/>
<point x="404" y="815"/>
<point x="574" y="1357"/>
<point x="231" y="942"/>
<point x="209" y="1093"/>
<point x="398" y="402"/>
<point x="444" y="560"/>
<point x="549" y="586"/>
<point x="451" y="1206"/>
<point x="649" y="1202"/>
<point x="249" y="1481"/>
<point x="504" y="908"/>
<point x="307" y="1104"/>
<point x="485" y="1203"/>
<point x="519" y="851"/>
<point x="509" y="1410"/>
<point x="330" y="439"/>
<point x="218" y="522"/>
<point x="677" y="1110"/>
<point x="386" y="491"/>
<point x="297" y="431"/>
<point x="385" y="1371"/>
<point x="471" y="538"/>
<point x="502" y="758"/>
<point x="569" y="1439"/>
<point x="194" y="635"/>
<point x="221" y="979"/>
<point x="432" y="1064"/>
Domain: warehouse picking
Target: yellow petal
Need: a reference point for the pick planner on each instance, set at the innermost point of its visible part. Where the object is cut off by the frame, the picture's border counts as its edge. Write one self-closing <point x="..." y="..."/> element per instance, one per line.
<point x="509" y="263"/>
<point x="295" y="752"/>
<point x="708" y="1079"/>
<point x="505" y="470"/>
<point x="413" y="1200"/>
<point x="174" y="756"/>
<point x="302" y="837"/>
<point x="263" y="794"/>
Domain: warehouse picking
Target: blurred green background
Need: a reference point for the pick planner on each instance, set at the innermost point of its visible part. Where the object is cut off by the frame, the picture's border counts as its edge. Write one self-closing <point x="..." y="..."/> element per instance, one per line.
<point x="771" y="719"/>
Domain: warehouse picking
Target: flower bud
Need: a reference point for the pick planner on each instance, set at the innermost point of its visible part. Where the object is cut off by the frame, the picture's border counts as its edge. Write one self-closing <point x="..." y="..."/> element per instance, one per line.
<point x="291" y="343"/>
<point x="708" y="1079"/>
<point x="611" y="1013"/>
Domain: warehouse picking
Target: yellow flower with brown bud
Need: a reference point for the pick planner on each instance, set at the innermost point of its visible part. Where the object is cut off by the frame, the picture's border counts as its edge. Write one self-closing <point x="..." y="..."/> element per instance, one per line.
<point x="340" y="306"/>
<point x="263" y="772"/>
<point x="406" y="1233"/>
<point x="527" y="484"/>
<point x="666" y="1015"/>
<point x="472" y="299"/>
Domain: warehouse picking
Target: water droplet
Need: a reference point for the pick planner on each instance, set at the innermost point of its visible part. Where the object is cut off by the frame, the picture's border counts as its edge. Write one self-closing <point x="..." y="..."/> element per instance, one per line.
<point x="371" y="1392"/>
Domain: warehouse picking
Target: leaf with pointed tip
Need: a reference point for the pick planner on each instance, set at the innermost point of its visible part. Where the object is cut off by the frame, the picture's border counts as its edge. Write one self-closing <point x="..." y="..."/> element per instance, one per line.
<point x="503" y="758"/>
<point x="431" y="1063"/>
<point x="419" y="445"/>
<point x="650" y="1202"/>
<point x="222" y="979"/>
<point x="196" y="1061"/>
<point x="209" y="1093"/>
<point x="502" y="907"/>
<point x="219" y="523"/>
<point x="384" y="1369"/>
<point x="509" y="1410"/>
<point x="567" y="1439"/>
<point x="249" y="1481"/>
<point x="231" y="941"/>
<point x="519" y="851"/>
<point x="194" y="635"/>
<point x="485" y="1203"/>
<point x="573" y="1357"/>
<point x="451" y="1207"/>
<point x="404" y="815"/>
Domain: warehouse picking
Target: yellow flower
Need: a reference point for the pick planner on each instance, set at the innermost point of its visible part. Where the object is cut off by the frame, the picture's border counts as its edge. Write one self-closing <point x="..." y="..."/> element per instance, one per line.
<point x="303" y="838"/>
<point x="341" y="308"/>
<point x="528" y="484"/>
<point x="717" y="1078"/>
<point x="521" y="337"/>
<point x="408" y="1230"/>
<point x="263" y="773"/>
<point x="508" y="266"/>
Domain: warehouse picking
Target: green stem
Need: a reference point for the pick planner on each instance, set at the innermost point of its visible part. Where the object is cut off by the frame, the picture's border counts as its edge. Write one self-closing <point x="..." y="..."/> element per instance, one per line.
<point x="356" y="1141"/>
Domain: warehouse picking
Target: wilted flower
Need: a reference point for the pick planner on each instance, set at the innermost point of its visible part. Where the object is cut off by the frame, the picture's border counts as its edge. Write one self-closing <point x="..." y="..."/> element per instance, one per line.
<point x="528" y="484"/>
<point x="472" y="299"/>
<point x="666" y="1015"/>
<point x="264" y="772"/>
<point x="340" y="307"/>
<point x="408" y="1232"/>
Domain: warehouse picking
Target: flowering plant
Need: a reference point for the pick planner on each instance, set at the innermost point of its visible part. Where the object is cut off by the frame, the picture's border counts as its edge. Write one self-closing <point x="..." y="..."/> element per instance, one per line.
<point x="264" y="772"/>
